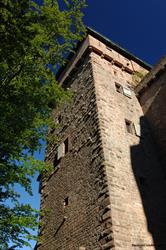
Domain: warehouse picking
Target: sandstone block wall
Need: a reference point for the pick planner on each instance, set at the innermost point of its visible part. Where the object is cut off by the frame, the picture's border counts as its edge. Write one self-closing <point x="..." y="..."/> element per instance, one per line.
<point x="108" y="190"/>
<point x="135" y="176"/>
<point x="76" y="193"/>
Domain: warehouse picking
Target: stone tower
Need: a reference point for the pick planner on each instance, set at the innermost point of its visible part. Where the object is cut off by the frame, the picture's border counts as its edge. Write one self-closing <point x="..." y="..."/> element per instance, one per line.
<point x="108" y="188"/>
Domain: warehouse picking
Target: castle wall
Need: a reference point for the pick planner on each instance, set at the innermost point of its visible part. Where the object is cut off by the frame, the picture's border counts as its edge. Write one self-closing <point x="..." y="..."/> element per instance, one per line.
<point x="135" y="177"/>
<point x="79" y="177"/>
<point x="153" y="102"/>
<point x="108" y="189"/>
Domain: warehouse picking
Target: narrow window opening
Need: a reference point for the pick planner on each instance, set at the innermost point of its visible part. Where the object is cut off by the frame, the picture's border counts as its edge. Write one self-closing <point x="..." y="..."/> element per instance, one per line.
<point x="118" y="88"/>
<point x="63" y="149"/>
<point x="127" y="92"/>
<point x="59" y="119"/>
<point x="66" y="202"/>
<point x="56" y="160"/>
<point x="129" y="126"/>
<point x="66" y="143"/>
<point x="138" y="129"/>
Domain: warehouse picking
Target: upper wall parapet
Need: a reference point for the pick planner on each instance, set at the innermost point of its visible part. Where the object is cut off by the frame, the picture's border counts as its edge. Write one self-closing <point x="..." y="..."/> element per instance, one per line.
<point x="117" y="57"/>
<point x="94" y="42"/>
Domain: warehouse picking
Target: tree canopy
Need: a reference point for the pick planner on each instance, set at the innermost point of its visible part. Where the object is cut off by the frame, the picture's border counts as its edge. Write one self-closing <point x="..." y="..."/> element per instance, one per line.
<point x="36" y="37"/>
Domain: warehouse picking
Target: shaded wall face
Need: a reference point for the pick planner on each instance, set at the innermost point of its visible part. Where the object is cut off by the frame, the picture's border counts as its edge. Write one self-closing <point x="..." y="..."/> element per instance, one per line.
<point x="75" y="193"/>
<point x="153" y="102"/>
<point x="136" y="184"/>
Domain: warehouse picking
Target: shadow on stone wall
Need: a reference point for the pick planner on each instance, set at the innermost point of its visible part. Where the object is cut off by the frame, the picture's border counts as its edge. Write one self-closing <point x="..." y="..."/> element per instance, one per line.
<point x="156" y="116"/>
<point x="151" y="183"/>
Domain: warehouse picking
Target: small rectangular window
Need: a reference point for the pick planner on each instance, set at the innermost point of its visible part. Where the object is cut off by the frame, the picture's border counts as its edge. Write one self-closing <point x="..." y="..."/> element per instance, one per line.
<point x="66" y="143"/>
<point x="127" y="92"/>
<point x="56" y="160"/>
<point x="137" y="128"/>
<point x="59" y="119"/>
<point x="118" y="88"/>
<point x="129" y="126"/>
<point x="61" y="151"/>
<point x="66" y="202"/>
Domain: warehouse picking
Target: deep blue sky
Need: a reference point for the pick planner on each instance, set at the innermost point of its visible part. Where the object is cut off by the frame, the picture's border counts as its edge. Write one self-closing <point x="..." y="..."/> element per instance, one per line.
<point x="136" y="25"/>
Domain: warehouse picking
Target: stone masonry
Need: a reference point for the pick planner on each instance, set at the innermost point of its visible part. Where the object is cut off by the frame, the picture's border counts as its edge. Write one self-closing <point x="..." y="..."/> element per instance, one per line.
<point x="152" y="95"/>
<point x="107" y="190"/>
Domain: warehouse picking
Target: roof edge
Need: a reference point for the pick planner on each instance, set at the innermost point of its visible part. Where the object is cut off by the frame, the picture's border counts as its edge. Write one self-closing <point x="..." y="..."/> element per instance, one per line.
<point x="108" y="42"/>
<point x="118" y="48"/>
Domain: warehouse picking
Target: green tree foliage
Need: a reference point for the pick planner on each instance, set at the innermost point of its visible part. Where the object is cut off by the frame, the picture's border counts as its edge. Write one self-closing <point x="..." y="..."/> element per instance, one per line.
<point x="36" y="37"/>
